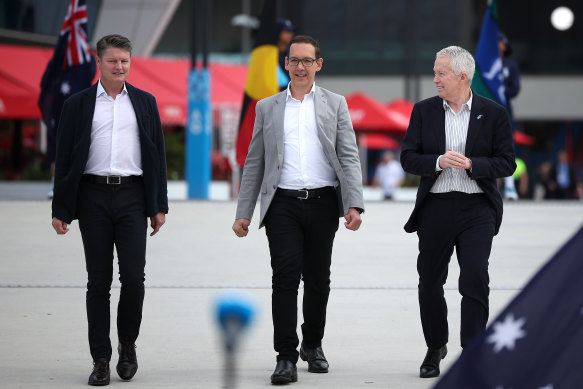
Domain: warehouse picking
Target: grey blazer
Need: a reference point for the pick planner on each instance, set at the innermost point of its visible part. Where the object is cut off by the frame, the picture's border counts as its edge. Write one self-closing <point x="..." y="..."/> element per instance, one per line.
<point x="265" y="158"/>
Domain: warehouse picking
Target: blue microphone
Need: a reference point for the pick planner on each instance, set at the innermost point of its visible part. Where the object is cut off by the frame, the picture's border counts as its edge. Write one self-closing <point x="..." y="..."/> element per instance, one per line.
<point x="234" y="312"/>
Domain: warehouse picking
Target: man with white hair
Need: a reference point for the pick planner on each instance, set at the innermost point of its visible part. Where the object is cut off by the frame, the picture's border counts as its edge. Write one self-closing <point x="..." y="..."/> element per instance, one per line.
<point x="459" y="143"/>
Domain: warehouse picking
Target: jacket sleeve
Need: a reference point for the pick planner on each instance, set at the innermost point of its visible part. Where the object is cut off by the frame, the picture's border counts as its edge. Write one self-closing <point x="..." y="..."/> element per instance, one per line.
<point x="347" y="152"/>
<point x="254" y="169"/>
<point x="158" y="135"/>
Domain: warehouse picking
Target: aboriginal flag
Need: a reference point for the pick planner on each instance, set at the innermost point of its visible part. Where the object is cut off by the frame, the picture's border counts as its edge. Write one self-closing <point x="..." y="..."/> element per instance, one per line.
<point x="264" y="77"/>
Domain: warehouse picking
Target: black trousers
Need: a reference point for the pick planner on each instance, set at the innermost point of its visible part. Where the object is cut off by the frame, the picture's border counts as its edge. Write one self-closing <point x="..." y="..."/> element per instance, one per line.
<point x="300" y="234"/>
<point x="466" y="222"/>
<point x="113" y="215"/>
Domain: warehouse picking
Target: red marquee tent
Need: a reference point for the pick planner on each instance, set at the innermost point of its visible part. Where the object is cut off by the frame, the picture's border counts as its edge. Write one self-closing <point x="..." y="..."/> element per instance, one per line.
<point x="22" y="67"/>
<point x="370" y="114"/>
<point x="378" y="141"/>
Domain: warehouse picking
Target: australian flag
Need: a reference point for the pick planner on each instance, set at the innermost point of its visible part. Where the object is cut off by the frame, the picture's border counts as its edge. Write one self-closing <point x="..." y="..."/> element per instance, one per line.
<point x="488" y="80"/>
<point x="70" y="70"/>
<point x="536" y="342"/>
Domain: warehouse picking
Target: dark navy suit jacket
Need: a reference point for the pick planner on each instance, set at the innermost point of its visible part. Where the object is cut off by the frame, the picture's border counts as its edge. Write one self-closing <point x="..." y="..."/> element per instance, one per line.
<point x="489" y="145"/>
<point x="74" y="137"/>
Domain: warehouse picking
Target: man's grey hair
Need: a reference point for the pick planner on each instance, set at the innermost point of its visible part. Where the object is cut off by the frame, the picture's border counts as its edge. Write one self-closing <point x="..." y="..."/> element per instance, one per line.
<point x="460" y="59"/>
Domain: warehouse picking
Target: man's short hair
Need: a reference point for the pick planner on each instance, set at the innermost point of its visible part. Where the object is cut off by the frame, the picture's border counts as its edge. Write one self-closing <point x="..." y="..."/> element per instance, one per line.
<point x="113" y="40"/>
<point x="305" y="39"/>
<point x="460" y="59"/>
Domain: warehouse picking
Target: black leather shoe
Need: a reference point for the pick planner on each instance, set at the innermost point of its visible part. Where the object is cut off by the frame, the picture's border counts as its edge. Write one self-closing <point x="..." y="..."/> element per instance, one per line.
<point x="317" y="362"/>
<point x="284" y="373"/>
<point x="128" y="361"/>
<point x="100" y="374"/>
<point x="430" y="366"/>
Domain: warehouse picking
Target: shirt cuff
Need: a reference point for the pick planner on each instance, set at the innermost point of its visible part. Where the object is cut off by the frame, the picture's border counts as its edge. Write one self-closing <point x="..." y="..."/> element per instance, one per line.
<point x="437" y="168"/>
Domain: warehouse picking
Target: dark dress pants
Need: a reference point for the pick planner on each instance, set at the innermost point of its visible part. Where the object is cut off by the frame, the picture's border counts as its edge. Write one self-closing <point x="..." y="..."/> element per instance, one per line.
<point x="300" y="234"/>
<point x="113" y="215"/>
<point x="466" y="222"/>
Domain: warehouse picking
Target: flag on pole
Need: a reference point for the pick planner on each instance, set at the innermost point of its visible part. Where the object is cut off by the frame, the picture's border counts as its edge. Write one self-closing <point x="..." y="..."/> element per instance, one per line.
<point x="535" y="343"/>
<point x="70" y="70"/>
<point x="488" y="80"/>
<point x="262" y="77"/>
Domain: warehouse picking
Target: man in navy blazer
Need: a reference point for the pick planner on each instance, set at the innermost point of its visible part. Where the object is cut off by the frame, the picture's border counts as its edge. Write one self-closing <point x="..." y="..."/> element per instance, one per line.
<point x="111" y="175"/>
<point x="459" y="143"/>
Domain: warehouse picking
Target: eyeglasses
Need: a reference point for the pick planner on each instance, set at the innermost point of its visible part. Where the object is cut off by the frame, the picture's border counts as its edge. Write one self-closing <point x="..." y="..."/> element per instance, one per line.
<point x="307" y="62"/>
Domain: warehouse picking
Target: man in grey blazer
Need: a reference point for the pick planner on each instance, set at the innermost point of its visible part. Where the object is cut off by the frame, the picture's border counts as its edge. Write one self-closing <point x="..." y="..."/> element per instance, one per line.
<point x="304" y="162"/>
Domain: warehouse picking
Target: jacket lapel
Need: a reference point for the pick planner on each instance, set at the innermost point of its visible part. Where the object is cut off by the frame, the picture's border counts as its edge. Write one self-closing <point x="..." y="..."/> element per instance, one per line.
<point x="278" y="117"/>
<point x="439" y="120"/>
<point x="476" y="120"/>
<point x="320" y="108"/>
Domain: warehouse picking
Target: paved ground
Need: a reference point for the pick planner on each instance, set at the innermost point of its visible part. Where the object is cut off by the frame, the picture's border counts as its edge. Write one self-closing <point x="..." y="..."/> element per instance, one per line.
<point x="373" y="337"/>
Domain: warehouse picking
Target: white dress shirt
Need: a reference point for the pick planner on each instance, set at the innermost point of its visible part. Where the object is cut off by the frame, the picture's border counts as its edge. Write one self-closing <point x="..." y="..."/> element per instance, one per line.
<point x="456" y="134"/>
<point x="305" y="165"/>
<point x="115" y="142"/>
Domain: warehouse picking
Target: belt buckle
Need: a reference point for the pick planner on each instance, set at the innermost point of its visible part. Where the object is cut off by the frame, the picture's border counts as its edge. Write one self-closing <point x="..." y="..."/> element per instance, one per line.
<point x="113" y="180"/>
<point x="307" y="194"/>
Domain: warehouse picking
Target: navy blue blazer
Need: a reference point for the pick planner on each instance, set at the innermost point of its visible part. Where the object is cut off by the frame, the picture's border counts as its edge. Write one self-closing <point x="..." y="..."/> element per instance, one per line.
<point x="489" y="145"/>
<point x="74" y="137"/>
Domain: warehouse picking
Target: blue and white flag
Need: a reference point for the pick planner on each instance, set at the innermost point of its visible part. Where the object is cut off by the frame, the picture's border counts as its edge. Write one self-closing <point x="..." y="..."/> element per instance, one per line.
<point x="536" y="342"/>
<point x="488" y="80"/>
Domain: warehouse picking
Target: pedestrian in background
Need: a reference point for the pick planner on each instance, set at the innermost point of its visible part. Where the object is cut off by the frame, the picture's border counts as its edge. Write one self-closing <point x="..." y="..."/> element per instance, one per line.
<point x="389" y="175"/>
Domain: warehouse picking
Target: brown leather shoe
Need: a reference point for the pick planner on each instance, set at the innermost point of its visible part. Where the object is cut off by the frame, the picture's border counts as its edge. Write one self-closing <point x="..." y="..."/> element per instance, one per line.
<point x="100" y="374"/>
<point x="430" y="366"/>
<point x="127" y="366"/>
<point x="317" y="362"/>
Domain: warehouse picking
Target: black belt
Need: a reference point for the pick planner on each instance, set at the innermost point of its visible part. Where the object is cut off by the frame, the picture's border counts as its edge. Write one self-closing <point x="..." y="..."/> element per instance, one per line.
<point x="110" y="180"/>
<point x="304" y="194"/>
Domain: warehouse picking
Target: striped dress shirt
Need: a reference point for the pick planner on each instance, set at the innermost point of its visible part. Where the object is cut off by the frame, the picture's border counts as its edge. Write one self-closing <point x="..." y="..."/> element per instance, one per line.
<point x="456" y="134"/>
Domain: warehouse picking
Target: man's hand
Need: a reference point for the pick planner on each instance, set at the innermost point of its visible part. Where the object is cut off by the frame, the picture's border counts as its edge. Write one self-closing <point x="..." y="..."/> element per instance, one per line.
<point x="353" y="219"/>
<point x="455" y="160"/>
<point x="157" y="221"/>
<point x="241" y="227"/>
<point x="60" y="226"/>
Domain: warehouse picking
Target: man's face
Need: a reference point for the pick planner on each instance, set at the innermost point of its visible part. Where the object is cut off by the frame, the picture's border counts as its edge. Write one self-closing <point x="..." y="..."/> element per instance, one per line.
<point x="114" y="66"/>
<point x="301" y="76"/>
<point x="449" y="86"/>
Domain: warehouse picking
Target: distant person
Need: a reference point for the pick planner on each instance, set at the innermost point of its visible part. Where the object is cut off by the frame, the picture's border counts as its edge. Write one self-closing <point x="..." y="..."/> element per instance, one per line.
<point x="511" y="89"/>
<point x="303" y="160"/>
<point x="562" y="181"/>
<point x="520" y="177"/>
<point x="285" y="32"/>
<point x="389" y="175"/>
<point x="459" y="143"/>
<point x="110" y="174"/>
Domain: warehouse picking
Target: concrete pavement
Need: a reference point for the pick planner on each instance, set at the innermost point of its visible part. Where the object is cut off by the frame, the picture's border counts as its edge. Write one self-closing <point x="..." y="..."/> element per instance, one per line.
<point x="373" y="335"/>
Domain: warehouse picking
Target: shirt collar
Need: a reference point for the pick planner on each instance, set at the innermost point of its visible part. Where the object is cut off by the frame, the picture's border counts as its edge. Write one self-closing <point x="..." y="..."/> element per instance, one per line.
<point x="101" y="90"/>
<point x="289" y="95"/>
<point x="467" y="103"/>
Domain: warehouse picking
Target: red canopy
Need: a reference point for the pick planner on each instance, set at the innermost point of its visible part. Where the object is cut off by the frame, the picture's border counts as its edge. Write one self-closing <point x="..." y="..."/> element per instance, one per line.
<point x="379" y="142"/>
<point x="22" y="68"/>
<point x="401" y="110"/>
<point x="368" y="113"/>
<point x="520" y="138"/>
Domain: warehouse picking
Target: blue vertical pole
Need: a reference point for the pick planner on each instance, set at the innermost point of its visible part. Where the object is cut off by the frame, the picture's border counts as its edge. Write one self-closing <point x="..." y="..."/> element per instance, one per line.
<point x="199" y="129"/>
<point x="198" y="138"/>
